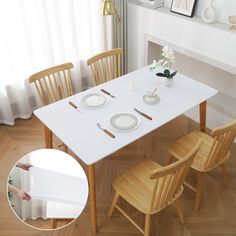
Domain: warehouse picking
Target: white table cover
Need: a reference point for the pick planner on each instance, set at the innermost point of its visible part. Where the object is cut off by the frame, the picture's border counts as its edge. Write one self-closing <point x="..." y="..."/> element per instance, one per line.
<point x="80" y="133"/>
<point x="56" y="210"/>
<point x="54" y="186"/>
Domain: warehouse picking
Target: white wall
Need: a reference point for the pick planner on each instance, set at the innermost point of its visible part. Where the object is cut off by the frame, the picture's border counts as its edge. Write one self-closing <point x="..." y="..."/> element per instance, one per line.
<point x="224" y="8"/>
<point x="202" y="51"/>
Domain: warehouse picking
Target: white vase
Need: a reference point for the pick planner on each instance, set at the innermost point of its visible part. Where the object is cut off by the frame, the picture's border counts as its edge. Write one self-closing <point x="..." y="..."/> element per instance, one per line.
<point x="167" y="82"/>
<point x="209" y="14"/>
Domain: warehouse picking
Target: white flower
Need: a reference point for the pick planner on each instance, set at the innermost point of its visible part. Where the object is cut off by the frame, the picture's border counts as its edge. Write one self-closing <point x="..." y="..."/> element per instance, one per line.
<point x="160" y="62"/>
<point x="166" y="60"/>
<point x="168" y="57"/>
<point x="168" y="53"/>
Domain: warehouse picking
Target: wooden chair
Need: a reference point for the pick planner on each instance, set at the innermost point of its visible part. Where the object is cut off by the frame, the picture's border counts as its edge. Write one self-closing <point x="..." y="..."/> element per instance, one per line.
<point x="149" y="187"/>
<point x="106" y="66"/>
<point x="54" y="83"/>
<point x="213" y="153"/>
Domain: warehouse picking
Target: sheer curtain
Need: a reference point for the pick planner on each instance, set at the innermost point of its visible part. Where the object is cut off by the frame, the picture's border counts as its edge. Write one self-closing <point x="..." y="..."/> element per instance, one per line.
<point x="39" y="34"/>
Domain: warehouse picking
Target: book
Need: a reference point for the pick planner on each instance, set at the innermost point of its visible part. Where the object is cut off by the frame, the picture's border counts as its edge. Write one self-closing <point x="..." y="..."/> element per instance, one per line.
<point x="152" y="3"/>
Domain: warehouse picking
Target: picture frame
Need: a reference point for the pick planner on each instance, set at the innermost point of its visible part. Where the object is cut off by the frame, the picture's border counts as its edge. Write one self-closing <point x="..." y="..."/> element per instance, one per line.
<point x="183" y="7"/>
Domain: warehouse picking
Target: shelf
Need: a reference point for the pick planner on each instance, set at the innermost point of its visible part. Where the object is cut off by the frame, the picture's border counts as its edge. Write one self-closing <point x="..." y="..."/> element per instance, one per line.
<point x="211" y="43"/>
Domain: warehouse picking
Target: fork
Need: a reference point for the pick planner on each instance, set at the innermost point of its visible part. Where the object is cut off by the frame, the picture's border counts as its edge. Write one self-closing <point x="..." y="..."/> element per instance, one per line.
<point x="105" y="130"/>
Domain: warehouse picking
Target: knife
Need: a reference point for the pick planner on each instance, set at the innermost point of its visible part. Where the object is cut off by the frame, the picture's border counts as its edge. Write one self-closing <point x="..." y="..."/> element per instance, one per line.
<point x="143" y="114"/>
<point x="106" y="92"/>
<point x="73" y="105"/>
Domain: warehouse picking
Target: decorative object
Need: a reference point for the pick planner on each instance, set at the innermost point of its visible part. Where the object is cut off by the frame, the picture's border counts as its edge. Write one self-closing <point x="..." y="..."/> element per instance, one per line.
<point x="209" y="14"/>
<point x="151" y="97"/>
<point x="183" y="7"/>
<point x="232" y="22"/>
<point x="108" y="9"/>
<point x="167" y="59"/>
<point x="133" y="87"/>
<point x="152" y="3"/>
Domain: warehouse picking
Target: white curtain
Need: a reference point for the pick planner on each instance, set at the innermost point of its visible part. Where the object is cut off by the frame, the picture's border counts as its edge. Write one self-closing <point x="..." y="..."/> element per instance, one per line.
<point x="39" y="34"/>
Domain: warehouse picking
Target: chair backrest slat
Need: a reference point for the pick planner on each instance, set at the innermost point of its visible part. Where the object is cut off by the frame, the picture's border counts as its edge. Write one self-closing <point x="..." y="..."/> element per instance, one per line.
<point x="45" y="85"/>
<point x="67" y="90"/>
<point x="56" y="87"/>
<point x="52" y="87"/>
<point x="70" y="82"/>
<point x="119" y="66"/>
<point x="61" y="87"/>
<point x="106" y="66"/>
<point x="170" y="178"/>
<point x="223" y="139"/>
<point x="54" y="83"/>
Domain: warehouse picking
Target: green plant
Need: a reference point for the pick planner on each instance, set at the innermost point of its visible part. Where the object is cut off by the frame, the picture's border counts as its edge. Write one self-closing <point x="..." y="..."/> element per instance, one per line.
<point x="167" y="74"/>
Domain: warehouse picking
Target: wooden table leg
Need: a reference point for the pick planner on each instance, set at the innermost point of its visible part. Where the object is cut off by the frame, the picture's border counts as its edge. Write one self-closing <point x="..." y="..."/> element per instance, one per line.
<point x="53" y="223"/>
<point x="92" y="196"/>
<point x="202" y="109"/>
<point x="48" y="137"/>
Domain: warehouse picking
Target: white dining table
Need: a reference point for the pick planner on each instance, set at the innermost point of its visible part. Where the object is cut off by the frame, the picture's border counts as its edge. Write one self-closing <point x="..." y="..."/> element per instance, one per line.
<point x="78" y="130"/>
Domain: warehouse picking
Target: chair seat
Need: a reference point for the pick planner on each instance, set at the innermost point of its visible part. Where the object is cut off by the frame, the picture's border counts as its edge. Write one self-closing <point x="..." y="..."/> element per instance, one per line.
<point x="185" y="144"/>
<point x="137" y="188"/>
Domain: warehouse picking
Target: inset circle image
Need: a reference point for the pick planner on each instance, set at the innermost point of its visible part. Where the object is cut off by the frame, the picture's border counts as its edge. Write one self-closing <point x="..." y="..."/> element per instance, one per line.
<point x="47" y="189"/>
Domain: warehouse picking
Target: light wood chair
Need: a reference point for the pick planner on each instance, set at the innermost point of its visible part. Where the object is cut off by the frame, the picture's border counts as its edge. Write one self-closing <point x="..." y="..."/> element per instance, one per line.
<point x="149" y="187"/>
<point x="106" y="66"/>
<point x="213" y="153"/>
<point x="54" y="83"/>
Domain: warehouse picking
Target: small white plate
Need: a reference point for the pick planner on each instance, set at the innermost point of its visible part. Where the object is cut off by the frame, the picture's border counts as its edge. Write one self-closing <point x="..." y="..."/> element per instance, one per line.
<point x="94" y="100"/>
<point x="124" y="121"/>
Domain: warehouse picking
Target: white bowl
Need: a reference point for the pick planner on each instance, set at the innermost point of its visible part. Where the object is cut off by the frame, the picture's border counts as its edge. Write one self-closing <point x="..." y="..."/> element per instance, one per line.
<point x="150" y="98"/>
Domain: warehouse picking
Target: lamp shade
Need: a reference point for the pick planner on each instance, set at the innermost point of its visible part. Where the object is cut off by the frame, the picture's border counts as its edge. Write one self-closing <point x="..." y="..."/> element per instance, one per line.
<point x="108" y="8"/>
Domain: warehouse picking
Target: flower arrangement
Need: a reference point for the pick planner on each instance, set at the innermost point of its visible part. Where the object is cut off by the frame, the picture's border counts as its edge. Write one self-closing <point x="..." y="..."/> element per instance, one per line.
<point x="167" y="59"/>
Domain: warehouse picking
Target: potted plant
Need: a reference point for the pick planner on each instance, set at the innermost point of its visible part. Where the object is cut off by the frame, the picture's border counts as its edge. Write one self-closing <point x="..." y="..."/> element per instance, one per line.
<point x="167" y="59"/>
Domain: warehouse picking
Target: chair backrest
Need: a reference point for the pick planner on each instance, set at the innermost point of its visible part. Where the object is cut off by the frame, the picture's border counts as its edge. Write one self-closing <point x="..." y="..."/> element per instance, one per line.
<point x="223" y="139"/>
<point x="169" y="179"/>
<point x="54" y="83"/>
<point x="106" y="66"/>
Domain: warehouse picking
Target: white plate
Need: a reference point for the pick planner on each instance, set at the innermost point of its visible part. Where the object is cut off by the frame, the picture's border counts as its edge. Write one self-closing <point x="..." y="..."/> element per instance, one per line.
<point x="124" y="121"/>
<point x="94" y="100"/>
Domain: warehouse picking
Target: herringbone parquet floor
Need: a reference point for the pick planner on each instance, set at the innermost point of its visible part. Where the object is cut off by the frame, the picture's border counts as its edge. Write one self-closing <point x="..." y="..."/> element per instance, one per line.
<point x="216" y="217"/>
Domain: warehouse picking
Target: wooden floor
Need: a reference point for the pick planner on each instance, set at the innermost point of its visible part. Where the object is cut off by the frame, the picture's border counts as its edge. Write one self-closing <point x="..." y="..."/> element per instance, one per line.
<point x="217" y="215"/>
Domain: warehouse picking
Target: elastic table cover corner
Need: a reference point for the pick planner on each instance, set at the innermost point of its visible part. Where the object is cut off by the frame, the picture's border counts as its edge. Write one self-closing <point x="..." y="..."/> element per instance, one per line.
<point x="54" y="186"/>
<point x="79" y="131"/>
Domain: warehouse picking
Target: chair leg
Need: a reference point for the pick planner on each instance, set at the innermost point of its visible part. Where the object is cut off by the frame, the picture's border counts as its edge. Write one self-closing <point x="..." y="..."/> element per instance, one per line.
<point x="147" y="225"/>
<point x="180" y="211"/>
<point x="225" y="176"/>
<point x="199" y="190"/>
<point x="113" y="204"/>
